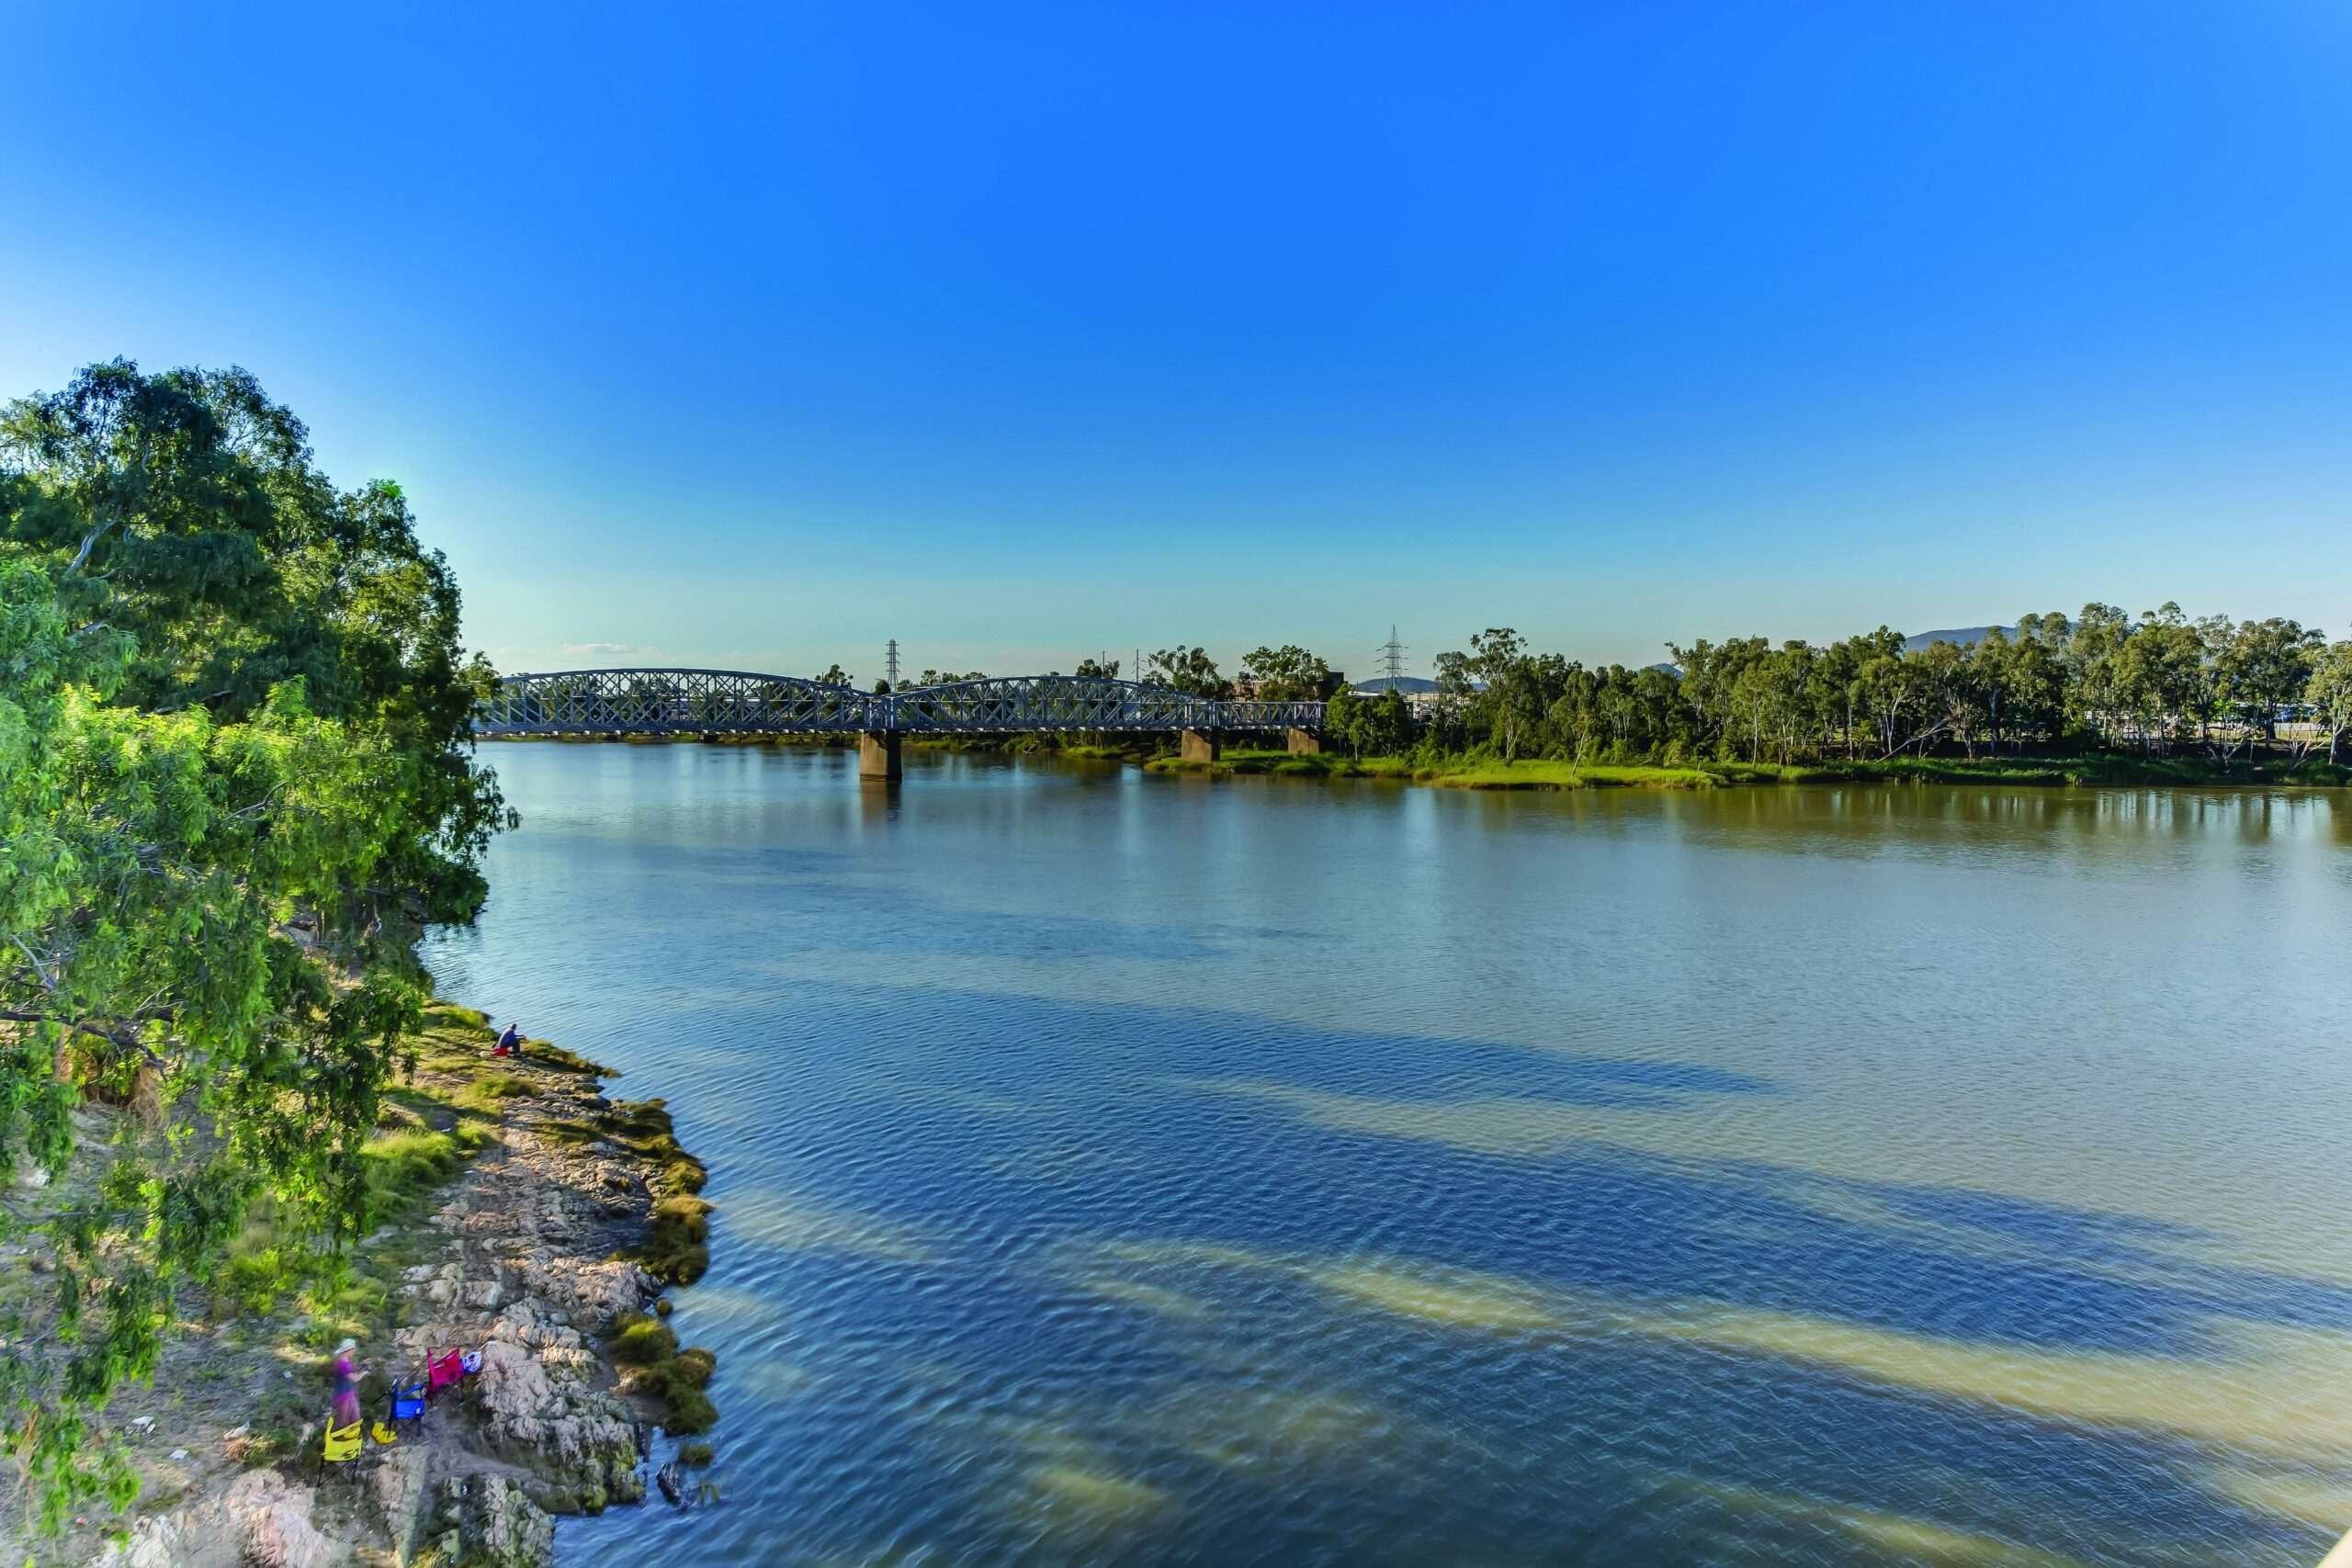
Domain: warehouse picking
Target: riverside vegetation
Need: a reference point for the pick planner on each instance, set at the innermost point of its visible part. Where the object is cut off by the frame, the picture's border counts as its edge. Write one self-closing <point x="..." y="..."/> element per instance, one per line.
<point x="517" y="1212"/>
<point x="236" y="783"/>
<point x="2102" y="698"/>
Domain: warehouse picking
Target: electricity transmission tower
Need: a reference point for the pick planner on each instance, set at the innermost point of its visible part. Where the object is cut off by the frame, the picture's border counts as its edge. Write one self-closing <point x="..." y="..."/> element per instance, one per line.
<point x="1391" y="659"/>
<point x="891" y="659"/>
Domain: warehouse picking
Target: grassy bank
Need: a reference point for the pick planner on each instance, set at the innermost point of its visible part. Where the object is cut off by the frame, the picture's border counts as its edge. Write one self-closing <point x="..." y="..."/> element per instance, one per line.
<point x="2097" y="768"/>
<point x="1325" y="765"/>
<point x="1490" y="773"/>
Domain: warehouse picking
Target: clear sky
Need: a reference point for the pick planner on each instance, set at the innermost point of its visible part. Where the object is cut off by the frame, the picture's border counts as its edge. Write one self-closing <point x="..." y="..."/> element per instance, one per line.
<point x="754" y="335"/>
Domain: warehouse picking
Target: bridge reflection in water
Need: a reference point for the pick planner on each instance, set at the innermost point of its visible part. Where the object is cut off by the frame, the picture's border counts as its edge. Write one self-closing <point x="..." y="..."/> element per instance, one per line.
<point x="730" y="702"/>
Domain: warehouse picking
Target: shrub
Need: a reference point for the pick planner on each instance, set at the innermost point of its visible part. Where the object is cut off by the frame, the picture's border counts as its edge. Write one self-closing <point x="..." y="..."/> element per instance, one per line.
<point x="641" y="1341"/>
<point x="678" y="1249"/>
<point x="656" y="1368"/>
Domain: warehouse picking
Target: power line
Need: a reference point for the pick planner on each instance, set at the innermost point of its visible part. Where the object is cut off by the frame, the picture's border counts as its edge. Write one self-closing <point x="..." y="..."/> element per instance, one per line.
<point x="1391" y="659"/>
<point x="892" y="660"/>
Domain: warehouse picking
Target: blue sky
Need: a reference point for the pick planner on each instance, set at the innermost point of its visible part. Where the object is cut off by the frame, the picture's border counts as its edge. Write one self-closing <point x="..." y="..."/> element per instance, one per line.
<point x="753" y="336"/>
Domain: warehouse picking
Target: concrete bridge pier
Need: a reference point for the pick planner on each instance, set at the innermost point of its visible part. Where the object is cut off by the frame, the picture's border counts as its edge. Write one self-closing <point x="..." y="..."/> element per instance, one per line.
<point x="878" y="755"/>
<point x="1304" y="742"/>
<point x="1198" y="746"/>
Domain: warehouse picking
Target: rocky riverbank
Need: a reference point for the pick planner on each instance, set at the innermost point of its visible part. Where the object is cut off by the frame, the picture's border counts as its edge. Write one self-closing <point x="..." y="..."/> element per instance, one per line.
<point x="548" y="1223"/>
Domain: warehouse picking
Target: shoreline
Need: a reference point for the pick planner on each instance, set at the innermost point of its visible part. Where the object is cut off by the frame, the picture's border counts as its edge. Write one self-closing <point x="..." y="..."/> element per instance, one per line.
<point x="528" y="1217"/>
<point x="2079" y="771"/>
<point x="2093" y="772"/>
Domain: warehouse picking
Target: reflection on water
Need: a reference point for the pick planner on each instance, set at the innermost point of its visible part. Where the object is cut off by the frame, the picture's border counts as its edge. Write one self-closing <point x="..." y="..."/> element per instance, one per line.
<point x="1122" y="1169"/>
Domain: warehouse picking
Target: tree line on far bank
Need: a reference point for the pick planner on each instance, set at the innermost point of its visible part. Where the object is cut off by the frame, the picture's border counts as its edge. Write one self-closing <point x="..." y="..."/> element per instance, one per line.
<point x="2101" y="680"/>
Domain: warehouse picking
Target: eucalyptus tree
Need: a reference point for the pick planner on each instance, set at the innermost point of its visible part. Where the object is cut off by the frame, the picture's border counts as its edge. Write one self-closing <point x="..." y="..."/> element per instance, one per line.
<point x="1891" y="693"/>
<point x="1343" y="721"/>
<point x="1187" y="669"/>
<point x="1710" y="672"/>
<point x="2329" y="691"/>
<point x="1771" y="699"/>
<point x="2023" y="680"/>
<point x="2095" y="644"/>
<point x="1286" y="674"/>
<point x="2266" y="665"/>
<point x="1579" y="716"/>
<point x="2162" y="677"/>
<point x="235" y="780"/>
<point x="1390" y="726"/>
<point x="1502" y="693"/>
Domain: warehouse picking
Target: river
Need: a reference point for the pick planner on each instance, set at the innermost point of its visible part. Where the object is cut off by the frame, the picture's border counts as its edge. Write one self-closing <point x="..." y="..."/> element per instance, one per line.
<point x="1115" y="1168"/>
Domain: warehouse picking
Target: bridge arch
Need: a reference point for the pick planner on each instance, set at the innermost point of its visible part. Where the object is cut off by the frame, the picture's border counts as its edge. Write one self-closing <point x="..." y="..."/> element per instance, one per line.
<point x="663" y="702"/>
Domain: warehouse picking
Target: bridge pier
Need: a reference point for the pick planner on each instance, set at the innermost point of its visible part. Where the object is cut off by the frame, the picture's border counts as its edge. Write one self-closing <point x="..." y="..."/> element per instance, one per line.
<point x="878" y="755"/>
<point x="1304" y="742"/>
<point x="1198" y="746"/>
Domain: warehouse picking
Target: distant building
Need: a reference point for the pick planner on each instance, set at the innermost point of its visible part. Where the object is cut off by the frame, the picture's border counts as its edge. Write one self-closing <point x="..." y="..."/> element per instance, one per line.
<point x="1421" y="695"/>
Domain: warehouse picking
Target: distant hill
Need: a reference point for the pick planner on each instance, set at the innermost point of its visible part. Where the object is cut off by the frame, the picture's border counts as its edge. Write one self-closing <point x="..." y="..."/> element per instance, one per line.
<point x="1961" y="635"/>
<point x="1411" y="685"/>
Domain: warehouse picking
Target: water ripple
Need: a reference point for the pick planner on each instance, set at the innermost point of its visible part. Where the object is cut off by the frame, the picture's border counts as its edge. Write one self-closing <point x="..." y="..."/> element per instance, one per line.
<point x="1113" y="1170"/>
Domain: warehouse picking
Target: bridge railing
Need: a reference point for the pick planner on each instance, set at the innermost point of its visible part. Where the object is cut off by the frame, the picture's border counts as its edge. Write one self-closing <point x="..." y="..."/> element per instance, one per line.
<point x="1271" y="715"/>
<point x="1016" y="705"/>
<point x="656" y="701"/>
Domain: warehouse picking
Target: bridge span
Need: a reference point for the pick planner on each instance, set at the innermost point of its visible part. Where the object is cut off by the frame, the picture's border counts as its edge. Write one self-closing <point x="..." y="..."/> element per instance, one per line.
<point x="733" y="702"/>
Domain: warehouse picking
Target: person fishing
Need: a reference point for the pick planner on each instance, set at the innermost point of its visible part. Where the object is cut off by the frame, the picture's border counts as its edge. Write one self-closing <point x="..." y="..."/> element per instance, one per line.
<point x="346" y="1383"/>
<point x="510" y="1042"/>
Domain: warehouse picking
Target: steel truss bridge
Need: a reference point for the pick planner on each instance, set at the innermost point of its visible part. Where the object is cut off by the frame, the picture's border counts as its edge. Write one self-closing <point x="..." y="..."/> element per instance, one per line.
<point x="729" y="702"/>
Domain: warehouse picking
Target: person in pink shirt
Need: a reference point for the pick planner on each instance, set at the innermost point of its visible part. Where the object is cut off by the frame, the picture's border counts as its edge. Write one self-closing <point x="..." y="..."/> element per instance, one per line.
<point x="346" y="1383"/>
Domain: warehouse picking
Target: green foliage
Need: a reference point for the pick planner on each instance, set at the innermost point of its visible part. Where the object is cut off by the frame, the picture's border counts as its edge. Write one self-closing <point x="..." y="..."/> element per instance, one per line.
<point x="1380" y="726"/>
<point x="641" y="1341"/>
<point x="2100" y="697"/>
<point x="2329" y="693"/>
<point x="235" y="778"/>
<point x="399" y="1168"/>
<point x="493" y="1087"/>
<point x="2162" y="684"/>
<point x="1188" y="669"/>
<point x="690" y="1408"/>
<point x="1286" y="674"/>
<point x="678" y="1250"/>
<point x="655" y="1368"/>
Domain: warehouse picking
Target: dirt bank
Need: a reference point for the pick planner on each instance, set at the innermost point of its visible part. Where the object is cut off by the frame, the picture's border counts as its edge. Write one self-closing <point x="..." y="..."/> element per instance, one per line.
<point x="531" y="1219"/>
